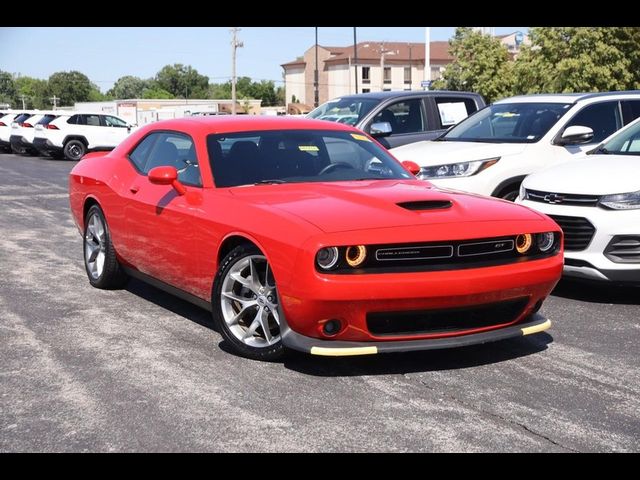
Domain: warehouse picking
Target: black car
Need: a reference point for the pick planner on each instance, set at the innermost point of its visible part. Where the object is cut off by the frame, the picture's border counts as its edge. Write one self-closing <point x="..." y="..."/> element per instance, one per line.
<point x="411" y="116"/>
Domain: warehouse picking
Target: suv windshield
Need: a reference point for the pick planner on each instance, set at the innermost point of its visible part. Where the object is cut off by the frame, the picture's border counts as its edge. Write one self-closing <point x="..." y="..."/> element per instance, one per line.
<point x="625" y="143"/>
<point x="344" y="110"/>
<point x="508" y="122"/>
<point x="291" y="156"/>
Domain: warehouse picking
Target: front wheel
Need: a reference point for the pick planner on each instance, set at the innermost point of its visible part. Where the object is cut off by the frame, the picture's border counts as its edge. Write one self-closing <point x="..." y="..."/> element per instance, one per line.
<point x="245" y="304"/>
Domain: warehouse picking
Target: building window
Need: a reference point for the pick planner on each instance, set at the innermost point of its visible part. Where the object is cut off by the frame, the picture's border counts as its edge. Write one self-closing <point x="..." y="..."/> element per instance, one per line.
<point x="366" y="90"/>
<point x="407" y="75"/>
<point x="366" y="72"/>
<point x="387" y="74"/>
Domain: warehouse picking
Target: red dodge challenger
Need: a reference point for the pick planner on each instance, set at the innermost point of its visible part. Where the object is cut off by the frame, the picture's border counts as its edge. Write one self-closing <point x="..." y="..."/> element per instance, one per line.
<point x="309" y="235"/>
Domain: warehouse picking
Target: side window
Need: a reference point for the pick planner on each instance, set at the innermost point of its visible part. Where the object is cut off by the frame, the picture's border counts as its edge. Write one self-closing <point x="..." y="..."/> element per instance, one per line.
<point x="452" y="110"/>
<point x="91" y="120"/>
<point x="139" y="154"/>
<point x="404" y="116"/>
<point x="630" y="110"/>
<point x="603" y="118"/>
<point x="175" y="150"/>
<point x="110" y="121"/>
<point x="73" y="120"/>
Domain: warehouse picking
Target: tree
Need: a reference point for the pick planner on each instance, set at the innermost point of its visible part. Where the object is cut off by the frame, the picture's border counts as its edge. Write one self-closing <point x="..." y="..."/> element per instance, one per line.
<point x="182" y="81"/>
<point x="579" y="59"/>
<point x="480" y="64"/>
<point x="71" y="87"/>
<point x="129" y="87"/>
<point x="7" y="88"/>
<point x="156" y="92"/>
<point x="35" y="91"/>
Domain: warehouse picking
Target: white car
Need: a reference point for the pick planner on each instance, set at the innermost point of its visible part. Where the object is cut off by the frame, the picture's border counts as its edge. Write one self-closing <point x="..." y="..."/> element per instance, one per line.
<point x="596" y="202"/>
<point x="23" y="131"/>
<point x="492" y="151"/>
<point x="72" y="134"/>
<point x="5" y="126"/>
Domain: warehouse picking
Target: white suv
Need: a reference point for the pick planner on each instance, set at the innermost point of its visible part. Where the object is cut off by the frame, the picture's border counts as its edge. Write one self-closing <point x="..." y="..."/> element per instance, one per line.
<point x="23" y="130"/>
<point x="492" y="151"/>
<point x="72" y="134"/>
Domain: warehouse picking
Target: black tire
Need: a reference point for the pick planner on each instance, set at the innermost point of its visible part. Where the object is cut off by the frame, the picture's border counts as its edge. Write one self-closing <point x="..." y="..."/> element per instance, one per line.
<point x="74" y="150"/>
<point x="510" y="193"/>
<point x="112" y="275"/>
<point x="267" y="353"/>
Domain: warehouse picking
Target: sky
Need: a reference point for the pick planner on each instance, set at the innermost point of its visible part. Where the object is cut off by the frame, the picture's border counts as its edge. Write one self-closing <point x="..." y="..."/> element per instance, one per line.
<point x="105" y="54"/>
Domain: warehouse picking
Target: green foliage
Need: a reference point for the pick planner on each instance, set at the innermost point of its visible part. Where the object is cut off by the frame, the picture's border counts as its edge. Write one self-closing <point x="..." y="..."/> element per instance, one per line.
<point x="182" y="81"/>
<point x="129" y="87"/>
<point x="35" y="91"/>
<point x="481" y="64"/>
<point x="156" y="92"/>
<point x="71" y="87"/>
<point x="264" y="90"/>
<point x="7" y="88"/>
<point x="579" y="59"/>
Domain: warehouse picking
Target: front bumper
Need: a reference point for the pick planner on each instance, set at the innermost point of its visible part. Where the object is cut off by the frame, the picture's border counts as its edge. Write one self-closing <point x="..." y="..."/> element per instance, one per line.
<point x="591" y="263"/>
<point x="536" y="323"/>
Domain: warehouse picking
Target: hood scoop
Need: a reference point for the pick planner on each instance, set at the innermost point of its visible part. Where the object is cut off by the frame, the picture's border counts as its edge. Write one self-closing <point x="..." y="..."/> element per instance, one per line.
<point x="420" y="205"/>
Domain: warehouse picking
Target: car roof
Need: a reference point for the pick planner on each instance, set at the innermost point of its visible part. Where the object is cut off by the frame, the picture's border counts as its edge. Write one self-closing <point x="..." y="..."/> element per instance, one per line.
<point x="208" y="124"/>
<point x="566" y="97"/>
<point x="407" y="93"/>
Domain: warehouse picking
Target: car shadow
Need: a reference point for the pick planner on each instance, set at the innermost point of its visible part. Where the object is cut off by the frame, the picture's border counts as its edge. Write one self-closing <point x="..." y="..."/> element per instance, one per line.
<point x="171" y="303"/>
<point x="597" y="292"/>
<point x="382" y="364"/>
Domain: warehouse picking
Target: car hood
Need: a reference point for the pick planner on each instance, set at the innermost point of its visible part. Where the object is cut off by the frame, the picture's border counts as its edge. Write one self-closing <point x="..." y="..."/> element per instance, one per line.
<point x="443" y="152"/>
<point x="593" y="175"/>
<point x="346" y="206"/>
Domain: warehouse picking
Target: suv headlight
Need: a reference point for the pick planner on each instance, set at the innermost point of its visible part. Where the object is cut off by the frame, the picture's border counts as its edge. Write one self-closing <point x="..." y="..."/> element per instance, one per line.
<point x="452" y="170"/>
<point x="621" y="201"/>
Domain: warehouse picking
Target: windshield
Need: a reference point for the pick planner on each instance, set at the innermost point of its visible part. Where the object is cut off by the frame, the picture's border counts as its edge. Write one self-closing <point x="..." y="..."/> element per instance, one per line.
<point x="626" y="142"/>
<point x="344" y="110"/>
<point x="509" y="123"/>
<point x="292" y="156"/>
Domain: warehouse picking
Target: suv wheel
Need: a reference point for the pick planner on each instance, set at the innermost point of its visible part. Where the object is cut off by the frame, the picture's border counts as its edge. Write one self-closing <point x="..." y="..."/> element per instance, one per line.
<point x="74" y="150"/>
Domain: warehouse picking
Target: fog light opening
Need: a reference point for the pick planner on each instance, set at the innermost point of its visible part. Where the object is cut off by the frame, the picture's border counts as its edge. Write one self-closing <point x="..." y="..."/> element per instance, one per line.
<point x="331" y="328"/>
<point x="536" y="307"/>
<point x="355" y="255"/>
<point x="523" y="243"/>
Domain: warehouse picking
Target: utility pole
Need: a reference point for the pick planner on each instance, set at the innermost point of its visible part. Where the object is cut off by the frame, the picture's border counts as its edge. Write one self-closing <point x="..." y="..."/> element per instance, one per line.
<point x="410" y="70"/>
<point x="427" y="56"/>
<point x="316" y="95"/>
<point x="22" y="97"/>
<point x="382" y="52"/>
<point x="54" y="99"/>
<point x="235" y="44"/>
<point x="355" y="57"/>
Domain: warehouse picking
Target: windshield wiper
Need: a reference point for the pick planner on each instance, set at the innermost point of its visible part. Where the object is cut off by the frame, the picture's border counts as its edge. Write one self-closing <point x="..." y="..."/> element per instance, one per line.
<point x="270" y="182"/>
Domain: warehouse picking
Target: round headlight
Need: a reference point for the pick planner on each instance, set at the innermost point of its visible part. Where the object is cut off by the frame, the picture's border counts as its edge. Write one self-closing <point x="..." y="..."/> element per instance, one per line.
<point x="523" y="242"/>
<point x="356" y="255"/>
<point x="545" y="241"/>
<point x="327" y="257"/>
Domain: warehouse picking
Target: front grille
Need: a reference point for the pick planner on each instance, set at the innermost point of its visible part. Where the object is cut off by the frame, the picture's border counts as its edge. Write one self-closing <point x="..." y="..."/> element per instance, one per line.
<point x="445" y="320"/>
<point x="624" y="249"/>
<point x="578" y="231"/>
<point x="562" y="198"/>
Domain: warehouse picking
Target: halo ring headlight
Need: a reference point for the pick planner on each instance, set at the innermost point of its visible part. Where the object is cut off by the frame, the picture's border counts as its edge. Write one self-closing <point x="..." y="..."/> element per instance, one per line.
<point x="355" y="255"/>
<point x="327" y="258"/>
<point x="523" y="243"/>
<point x="545" y="241"/>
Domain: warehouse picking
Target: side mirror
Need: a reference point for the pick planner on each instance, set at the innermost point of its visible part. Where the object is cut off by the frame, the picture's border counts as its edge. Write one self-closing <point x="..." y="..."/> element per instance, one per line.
<point x="380" y="129"/>
<point x="413" y="167"/>
<point x="166" y="175"/>
<point x="575" y="135"/>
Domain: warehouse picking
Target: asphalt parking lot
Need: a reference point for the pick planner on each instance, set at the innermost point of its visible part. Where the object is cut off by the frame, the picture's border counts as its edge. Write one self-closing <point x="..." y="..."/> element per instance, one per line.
<point x="138" y="370"/>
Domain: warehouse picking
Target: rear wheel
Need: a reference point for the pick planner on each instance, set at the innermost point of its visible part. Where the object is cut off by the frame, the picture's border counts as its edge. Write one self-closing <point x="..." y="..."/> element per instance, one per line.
<point x="245" y="304"/>
<point x="74" y="150"/>
<point x="100" y="261"/>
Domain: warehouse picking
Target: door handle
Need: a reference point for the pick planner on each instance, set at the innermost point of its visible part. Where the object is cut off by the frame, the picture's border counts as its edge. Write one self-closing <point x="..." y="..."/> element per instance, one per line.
<point x="134" y="189"/>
